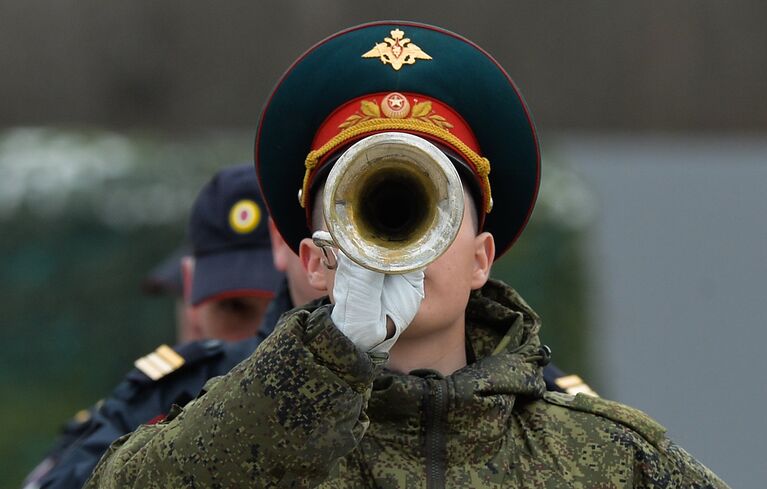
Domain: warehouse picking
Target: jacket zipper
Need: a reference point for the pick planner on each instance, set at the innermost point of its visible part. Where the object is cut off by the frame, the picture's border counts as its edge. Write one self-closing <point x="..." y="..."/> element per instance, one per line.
<point x="436" y="421"/>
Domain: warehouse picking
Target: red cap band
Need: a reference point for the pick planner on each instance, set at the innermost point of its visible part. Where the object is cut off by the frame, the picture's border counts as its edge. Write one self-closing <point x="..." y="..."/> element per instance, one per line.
<point x="395" y="105"/>
<point x="402" y="112"/>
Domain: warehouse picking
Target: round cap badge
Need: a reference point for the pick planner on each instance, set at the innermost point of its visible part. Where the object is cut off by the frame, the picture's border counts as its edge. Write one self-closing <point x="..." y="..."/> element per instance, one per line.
<point x="395" y="106"/>
<point x="244" y="216"/>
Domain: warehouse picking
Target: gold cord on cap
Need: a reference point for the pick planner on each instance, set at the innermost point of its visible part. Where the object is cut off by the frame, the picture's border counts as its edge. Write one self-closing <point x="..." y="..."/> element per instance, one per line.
<point x="481" y="164"/>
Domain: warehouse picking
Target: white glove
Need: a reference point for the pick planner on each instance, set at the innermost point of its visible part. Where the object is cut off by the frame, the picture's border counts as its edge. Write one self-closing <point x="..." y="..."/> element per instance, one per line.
<point x="401" y="298"/>
<point x="363" y="300"/>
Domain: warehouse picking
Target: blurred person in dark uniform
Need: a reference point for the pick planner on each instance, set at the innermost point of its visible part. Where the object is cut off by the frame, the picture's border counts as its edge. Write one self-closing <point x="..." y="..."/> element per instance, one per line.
<point x="218" y="294"/>
<point x="230" y="279"/>
<point x="227" y="283"/>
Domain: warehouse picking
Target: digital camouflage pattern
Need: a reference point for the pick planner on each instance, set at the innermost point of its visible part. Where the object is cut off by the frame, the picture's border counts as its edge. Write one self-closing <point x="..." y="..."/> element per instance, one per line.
<point x="308" y="409"/>
<point x="138" y="400"/>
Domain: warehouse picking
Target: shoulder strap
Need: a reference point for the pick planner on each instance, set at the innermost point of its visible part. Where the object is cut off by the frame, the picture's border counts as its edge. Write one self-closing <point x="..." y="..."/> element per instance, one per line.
<point x="165" y="360"/>
<point x="627" y="416"/>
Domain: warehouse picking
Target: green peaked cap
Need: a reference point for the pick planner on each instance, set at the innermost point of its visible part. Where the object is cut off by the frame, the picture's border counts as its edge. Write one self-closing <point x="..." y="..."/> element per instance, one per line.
<point x="459" y="74"/>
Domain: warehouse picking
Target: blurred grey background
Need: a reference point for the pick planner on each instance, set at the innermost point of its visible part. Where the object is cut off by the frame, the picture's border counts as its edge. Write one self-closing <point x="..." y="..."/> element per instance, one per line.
<point x="653" y="124"/>
<point x="670" y="65"/>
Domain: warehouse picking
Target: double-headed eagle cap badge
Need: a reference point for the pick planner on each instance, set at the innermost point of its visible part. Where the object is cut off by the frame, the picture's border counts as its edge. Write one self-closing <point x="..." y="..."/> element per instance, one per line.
<point x="396" y="51"/>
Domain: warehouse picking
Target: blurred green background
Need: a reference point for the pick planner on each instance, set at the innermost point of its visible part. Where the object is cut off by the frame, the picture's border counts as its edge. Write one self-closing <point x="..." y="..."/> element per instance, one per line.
<point x="86" y="213"/>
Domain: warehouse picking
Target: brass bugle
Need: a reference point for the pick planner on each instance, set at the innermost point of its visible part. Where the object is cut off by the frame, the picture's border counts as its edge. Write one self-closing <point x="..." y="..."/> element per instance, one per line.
<point x="393" y="203"/>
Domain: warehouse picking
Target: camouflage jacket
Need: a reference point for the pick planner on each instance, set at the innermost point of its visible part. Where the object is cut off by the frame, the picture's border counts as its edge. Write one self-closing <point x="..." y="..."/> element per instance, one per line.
<point x="308" y="409"/>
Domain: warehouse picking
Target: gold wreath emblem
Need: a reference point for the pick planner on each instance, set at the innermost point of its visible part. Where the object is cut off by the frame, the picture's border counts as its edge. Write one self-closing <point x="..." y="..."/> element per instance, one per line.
<point x="396" y="51"/>
<point x="369" y="109"/>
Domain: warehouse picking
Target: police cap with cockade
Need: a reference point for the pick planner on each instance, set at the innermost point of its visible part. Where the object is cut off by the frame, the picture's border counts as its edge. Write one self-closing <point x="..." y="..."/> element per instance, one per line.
<point x="400" y="77"/>
<point x="230" y="240"/>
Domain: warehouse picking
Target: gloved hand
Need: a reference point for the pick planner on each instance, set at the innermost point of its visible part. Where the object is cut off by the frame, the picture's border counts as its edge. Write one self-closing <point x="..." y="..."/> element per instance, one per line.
<point x="401" y="298"/>
<point x="364" y="299"/>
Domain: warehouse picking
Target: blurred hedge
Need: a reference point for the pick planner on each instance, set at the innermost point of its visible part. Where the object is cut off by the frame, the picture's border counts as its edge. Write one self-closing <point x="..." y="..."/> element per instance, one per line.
<point x="85" y="213"/>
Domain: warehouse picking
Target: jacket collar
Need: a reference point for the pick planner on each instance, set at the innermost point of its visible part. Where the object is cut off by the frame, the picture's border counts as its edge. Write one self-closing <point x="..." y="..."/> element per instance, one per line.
<point x="502" y="340"/>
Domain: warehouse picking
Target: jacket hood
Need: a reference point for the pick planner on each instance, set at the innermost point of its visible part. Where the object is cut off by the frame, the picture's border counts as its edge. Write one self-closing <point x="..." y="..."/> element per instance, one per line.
<point x="503" y="351"/>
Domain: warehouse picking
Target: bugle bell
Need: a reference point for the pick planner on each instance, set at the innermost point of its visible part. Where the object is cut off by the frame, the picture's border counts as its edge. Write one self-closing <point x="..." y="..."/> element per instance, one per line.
<point x="392" y="203"/>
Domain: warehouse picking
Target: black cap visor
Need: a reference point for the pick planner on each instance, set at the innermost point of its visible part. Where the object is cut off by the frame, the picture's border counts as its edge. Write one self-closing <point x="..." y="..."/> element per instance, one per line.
<point x="243" y="272"/>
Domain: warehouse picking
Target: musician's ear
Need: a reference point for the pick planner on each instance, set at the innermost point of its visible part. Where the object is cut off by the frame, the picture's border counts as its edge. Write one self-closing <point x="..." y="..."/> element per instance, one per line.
<point x="484" y="254"/>
<point x="311" y="259"/>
